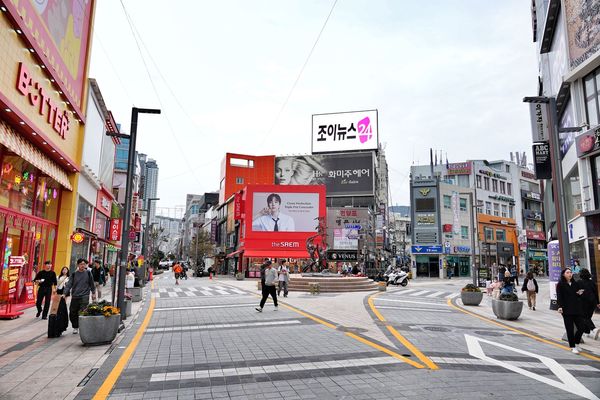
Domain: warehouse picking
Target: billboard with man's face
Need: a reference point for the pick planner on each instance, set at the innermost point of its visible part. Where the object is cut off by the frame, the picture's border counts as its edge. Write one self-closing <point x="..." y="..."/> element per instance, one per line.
<point x="285" y="212"/>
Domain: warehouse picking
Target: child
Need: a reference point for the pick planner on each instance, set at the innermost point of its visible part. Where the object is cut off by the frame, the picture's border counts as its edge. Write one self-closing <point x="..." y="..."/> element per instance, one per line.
<point x="488" y="287"/>
<point x="496" y="288"/>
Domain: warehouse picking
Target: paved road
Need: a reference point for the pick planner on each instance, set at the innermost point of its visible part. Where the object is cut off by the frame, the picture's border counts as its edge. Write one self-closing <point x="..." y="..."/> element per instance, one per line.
<point x="204" y="340"/>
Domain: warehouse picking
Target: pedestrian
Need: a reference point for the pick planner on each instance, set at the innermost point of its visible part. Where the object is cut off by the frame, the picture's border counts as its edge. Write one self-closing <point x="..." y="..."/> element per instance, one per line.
<point x="514" y="274"/>
<point x="489" y="288"/>
<point x="58" y="321"/>
<point x="590" y="302"/>
<point x="177" y="271"/>
<point x="570" y="306"/>
<point x="284" y="277"/>
<point x="63" y="278"/>
<point x="497" y="286"/>
<point x="530" y="286"/>
<point x="270" y="281"/>
<point x="507" y="284"/>
<point x="99" y="277"/>
<point x="46" y="280"/>
<point x="576" y="270"/>
<point x="79" y="287"/>
<point x="263" y="268"/>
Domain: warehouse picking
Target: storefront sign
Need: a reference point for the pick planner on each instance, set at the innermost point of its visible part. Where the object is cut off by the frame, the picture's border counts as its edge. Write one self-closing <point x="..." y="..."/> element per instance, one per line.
<point x="503" y="198"/>
<point x="115" y="229"/>
<point x="540" y="127"/>
<point x="29" y="293"/>
<point x="542" y="162"/>
<point x="533" y="215"/>
<point x="342" y="255"/>
<point x="345" y="239"/>
<point x="237" y="206"/>
<point x="213" y="231"/>
<point x="588" y="142"/>
<point x="15" y="263"/>
<point x="528" y="175"/>
<point x="492" y="174"/>
<point x="426" y="249"/>
<point x="531" y="195"/>
<point x="103" y="203"/>
<point x="426" y="219"/>
<point x="455" y="213"/>
<point x="348" y="131"/>
<point x="537" y="255"/>
<point x="533" y="235"/>
<point x="582" y="30"/>
<point x="462" y="249"/>
<point x="100" y="226"/>
<point x="447" y="228"/>
<point x="132" y="234"/>
<point x="77" y="237"/>
<point x="554" y="268"/>
<point x="285" y="245"/>
<point x="463" y="168"/>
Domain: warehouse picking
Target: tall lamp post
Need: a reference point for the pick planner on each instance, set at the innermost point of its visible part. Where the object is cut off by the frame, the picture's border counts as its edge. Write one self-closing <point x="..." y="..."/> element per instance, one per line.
<point x="128" y="192"/>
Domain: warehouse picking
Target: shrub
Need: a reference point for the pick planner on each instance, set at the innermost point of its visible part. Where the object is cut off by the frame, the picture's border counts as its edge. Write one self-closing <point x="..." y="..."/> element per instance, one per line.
<point x="471" y="288"/>
<point x="100" y="308"/>
<point x="509" y="297"/>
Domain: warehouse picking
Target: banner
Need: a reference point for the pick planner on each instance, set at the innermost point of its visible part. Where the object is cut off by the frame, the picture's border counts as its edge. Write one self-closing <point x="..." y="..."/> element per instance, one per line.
<point x="542" y="161"/>
<point x="582" y="30"/>
<point x="237" y="206"/>
<point x="540" y="126"/>
<point x="342" y="174"/>
<point x="554" y="268"/>
<point x="285" y="212"/>
<point x="456" y="214"/>
<point x="115" y="229"/>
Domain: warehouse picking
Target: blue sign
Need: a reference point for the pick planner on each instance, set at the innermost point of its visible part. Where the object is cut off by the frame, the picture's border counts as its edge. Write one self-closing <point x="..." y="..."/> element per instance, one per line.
<point x="426" y="249"/>
<point x="353" y="226"/>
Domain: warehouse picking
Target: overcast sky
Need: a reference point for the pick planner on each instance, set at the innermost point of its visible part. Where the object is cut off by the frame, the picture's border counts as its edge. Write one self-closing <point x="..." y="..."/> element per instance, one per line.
<point x="446" y="74"/>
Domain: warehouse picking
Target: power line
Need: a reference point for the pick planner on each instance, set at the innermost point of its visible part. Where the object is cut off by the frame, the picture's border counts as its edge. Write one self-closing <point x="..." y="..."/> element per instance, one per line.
<point x="299" y="75"/>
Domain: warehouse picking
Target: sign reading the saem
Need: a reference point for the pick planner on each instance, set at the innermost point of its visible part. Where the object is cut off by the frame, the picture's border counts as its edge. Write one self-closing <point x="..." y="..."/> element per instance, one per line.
<point x="426" y="249"/>
<point x="347" y="131"/>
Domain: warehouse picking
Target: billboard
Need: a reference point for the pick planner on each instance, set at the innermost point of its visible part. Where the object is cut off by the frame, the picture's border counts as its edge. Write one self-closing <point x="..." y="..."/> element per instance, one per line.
<point x="345" y="225"/>
<point x="59" y="32"/>
<point x="583" y="20"/>
<point x="284" y="212"/>
<point x="346" y="131"/>
<point x="346" y="174"/>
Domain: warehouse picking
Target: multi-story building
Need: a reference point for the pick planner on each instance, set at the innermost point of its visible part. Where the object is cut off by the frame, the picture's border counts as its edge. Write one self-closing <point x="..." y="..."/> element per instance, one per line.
<point x="171" y="230"/>
<point x="568" y="48"/>
<point x="193" y="220"/>
<point x="400" y="233"/>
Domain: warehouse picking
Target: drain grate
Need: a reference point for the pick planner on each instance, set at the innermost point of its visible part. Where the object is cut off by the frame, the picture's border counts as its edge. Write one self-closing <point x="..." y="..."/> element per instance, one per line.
<point x="437" y="329"/>
<point x="488" y="333"/>
<point x="87" y="378"/>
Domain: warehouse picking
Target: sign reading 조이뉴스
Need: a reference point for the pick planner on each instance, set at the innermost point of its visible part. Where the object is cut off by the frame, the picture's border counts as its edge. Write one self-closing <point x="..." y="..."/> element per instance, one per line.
<point x="347" y="131"/>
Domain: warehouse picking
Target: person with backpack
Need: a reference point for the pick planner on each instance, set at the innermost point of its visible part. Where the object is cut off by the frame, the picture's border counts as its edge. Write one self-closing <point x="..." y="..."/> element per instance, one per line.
<point x="530" y="286"/>
<point x="284" y="277"/>
<point x="177" y="270"/>
<point x="79" y="286"/>
<point x="590" y="301"/>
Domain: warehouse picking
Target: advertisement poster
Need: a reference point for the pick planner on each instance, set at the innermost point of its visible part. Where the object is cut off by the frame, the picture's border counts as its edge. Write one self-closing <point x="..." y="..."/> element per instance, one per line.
<point x="554" y="268"/>
<point x="542" y="162"/>
<point x="583" y="20"/>
<point x="15" y="263"/>
<point x="346" y="131"/>
<point x="285" y="212"/>
<point x="345" y="239"/>
<point x="342" y="174"/>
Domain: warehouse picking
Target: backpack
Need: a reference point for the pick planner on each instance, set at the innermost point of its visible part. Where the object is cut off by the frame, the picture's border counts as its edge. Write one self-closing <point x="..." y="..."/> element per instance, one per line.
<point x="531" y="285"/>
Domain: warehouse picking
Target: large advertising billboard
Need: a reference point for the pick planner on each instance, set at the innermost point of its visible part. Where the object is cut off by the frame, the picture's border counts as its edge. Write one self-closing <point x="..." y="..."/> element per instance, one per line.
<point x="346" y="131"/>
<point x="60" y="32"/>
<point x="346" y="174"/>
<point x="583" y="20"/>
<point x="345" y="225"/>
<point x="275" y="211"/>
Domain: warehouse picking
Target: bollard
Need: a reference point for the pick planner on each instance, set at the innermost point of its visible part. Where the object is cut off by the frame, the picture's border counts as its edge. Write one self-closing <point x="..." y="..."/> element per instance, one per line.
<point x="382" y="286"/>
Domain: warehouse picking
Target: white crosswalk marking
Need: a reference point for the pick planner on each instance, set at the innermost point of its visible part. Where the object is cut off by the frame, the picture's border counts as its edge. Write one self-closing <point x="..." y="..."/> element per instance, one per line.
<point x="173" y="294"/>
<point x="402" y="292"/>
<point x="420" y="293"/>
<point x="452" y="295"/>
<point x="435" y="294"/>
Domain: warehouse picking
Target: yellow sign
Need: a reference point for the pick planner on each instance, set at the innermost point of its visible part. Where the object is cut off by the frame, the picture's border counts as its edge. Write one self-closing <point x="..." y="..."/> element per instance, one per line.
<point x="424" y="192"/>
<point x="77" y="237"/>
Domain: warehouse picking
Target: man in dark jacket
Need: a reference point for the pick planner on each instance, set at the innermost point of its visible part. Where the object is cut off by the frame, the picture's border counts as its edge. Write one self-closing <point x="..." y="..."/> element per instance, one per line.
<point x="99" y="276"/>
<point x="80" y="285"/>
<point x="590" y="301"/>
<point x="45" y="279"/>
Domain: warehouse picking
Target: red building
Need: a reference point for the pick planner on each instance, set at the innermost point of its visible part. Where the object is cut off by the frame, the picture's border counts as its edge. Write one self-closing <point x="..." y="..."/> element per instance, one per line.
<point x="239" y="170"/>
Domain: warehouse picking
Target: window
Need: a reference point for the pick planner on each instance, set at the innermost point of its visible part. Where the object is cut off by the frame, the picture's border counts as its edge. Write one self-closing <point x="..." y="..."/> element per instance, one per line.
<point x="489" y="234"/>
<point x="591" y="88"/>
<point x="504" y="211"/>
<point x="447" y="202"/>
<point x="511" y="211"/>
<point x="502" y="187"/>
<point x="239" y="180"/>
<point x="500" y="235"/>
<point x="463" y="204"/>
<point x="488" y="207"/>
<point x="573" y="194"/>
<point x="425" y="205"/>
<point x="496" y="209"/>
<point x="486" y="183"/>
<point x="507" y="168"/>
<point x="478" y="180"/>
<point x="464" y="232"/>
<point x="509" y="189"/>
<point x="495" y="185"/>
<point x="241" y="162"/>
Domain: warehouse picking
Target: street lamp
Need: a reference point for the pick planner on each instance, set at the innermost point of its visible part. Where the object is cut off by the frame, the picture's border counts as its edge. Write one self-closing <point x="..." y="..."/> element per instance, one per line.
<point x="128" y="199"/>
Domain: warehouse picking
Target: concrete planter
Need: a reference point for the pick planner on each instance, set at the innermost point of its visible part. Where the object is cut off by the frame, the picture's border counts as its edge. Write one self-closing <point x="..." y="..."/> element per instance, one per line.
<point x="471" y="298"/>
<point x="509" y="310"/>
<point x="96" y="329"/>
<point x="128" y="308"/>
<point x="136" y="293"/>
<point x="239" y="276"/>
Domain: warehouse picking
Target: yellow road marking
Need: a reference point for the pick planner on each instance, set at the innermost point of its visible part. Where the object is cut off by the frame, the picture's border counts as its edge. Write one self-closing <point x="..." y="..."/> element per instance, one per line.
<point x="320" y="321"/>
<point x="510" y="328"/>
<point x="111" y="379"/>
<point x="411" y="347"/>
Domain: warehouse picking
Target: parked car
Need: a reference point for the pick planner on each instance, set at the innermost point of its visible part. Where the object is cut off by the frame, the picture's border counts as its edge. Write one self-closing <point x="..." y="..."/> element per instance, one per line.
<point x="164" y="264"/>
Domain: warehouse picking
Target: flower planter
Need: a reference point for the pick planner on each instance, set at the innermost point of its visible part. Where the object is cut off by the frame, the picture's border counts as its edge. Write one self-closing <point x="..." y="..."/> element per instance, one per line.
<point x="136" y="293"/>
<point x="509" y="310"/>
<point x="471" y="298"/>
<point x="98" y="329"/>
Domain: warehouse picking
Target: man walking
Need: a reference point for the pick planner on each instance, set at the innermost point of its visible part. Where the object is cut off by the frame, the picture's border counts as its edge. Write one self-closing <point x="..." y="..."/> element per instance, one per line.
<point x="99" y="277"/>
<point x="80" y="286"/>
<point x="284" y="278"/>
<point x="269" y="286"/>
<point x="45" y="279"/>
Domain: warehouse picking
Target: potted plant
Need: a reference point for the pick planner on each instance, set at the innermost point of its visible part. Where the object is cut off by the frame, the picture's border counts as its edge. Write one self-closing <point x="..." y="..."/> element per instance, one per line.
<point x="507" y="306"/>
<point x="471" y="295"/>
<point x="99" y="323"/>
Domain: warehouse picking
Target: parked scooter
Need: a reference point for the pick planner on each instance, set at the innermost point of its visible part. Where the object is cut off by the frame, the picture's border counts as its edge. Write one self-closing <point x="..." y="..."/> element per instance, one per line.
<point x="398" y="277"/>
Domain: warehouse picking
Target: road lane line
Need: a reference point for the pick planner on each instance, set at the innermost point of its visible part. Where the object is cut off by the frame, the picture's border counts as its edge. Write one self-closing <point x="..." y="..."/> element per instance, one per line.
<point x="106" y="387"/>
<point x="415" y="302"/>
<point x="510" y="328"/>
<point x="221" y="326"/>
<point x="420" y="293"/>
<point x="204" y="307"/>
<point x="422" y="357"/>
<point x="452" y="295"/>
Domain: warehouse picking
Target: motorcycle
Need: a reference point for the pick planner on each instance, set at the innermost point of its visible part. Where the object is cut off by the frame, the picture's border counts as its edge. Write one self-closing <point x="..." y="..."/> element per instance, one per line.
<point x="397" y="277"/>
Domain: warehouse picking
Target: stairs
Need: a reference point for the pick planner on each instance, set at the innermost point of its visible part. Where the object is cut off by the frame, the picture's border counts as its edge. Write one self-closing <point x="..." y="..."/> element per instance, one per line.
<point x="328" y="285"/>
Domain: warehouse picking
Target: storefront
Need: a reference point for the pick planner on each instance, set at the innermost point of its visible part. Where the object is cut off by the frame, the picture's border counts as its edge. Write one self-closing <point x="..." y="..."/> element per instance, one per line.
<point x="459" y="265"/>
<point x="537" y="261"/>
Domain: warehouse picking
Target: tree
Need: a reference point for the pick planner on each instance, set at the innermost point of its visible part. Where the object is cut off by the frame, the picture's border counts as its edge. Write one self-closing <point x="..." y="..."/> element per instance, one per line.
<point x="201" y="246"/>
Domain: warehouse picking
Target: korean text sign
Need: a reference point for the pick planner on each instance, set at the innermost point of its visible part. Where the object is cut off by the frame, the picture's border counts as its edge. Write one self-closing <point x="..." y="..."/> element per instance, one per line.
<point x="347" y="131"/>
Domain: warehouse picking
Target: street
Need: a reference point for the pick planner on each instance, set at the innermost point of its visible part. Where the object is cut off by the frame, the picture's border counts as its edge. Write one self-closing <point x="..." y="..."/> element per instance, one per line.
<point x="205" y="340"/>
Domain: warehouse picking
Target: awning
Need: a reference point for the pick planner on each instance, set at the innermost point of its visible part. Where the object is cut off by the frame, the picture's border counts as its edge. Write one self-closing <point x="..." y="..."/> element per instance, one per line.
<point x="235" y="253"/>
<point x="277" y="253"/>
<point x="15" y="143"/>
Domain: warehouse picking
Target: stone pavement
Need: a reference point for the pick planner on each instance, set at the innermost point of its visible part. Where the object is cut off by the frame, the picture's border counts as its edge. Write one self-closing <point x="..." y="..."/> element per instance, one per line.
<point x="32" y="366"/>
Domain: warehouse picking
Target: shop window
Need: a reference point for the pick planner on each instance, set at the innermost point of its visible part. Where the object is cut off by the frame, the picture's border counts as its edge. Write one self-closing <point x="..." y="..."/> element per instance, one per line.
<point x="489" y="234"/>
<point x="591" y="89"/>
<point x="47" y="197"/>
<point x="447" y="202"/>
<point x="478" y="180"/>
<point x="84" y="214"/>
<point x="495" y="185"/>
<point x="464" y="232"/>
<point x="496" y="209"/>
<point x="463" y="204"/>
<point x="17" y="184"/>
<point x="486" y="183"/>
<point x="504" y="211"/>
<point x="500" y="235"/>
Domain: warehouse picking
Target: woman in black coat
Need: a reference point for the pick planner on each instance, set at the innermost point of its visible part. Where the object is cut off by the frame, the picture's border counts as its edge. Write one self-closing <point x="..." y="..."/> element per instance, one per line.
<point x="570" y="305"/>
<point x="589" y="298"/>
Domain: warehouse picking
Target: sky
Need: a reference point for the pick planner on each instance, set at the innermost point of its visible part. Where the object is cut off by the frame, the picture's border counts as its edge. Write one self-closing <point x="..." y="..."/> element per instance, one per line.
<point x="447" y="74"/>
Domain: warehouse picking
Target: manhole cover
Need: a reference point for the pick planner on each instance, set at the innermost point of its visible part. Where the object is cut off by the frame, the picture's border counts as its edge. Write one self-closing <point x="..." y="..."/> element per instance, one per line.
<point x="488" y="333"/>
<point x="436" y="329"/>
